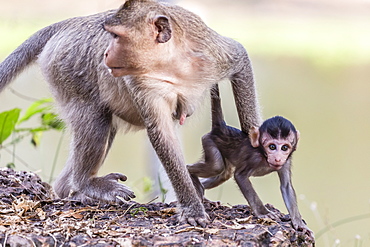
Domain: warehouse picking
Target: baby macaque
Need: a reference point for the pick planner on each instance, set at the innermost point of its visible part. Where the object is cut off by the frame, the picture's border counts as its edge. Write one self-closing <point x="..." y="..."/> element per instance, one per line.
<point x="229" y="151"/>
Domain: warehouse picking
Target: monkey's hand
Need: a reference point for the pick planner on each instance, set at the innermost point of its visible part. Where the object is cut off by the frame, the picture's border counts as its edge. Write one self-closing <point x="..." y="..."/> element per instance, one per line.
<point x="108" y="188"/>
<point x="262" y="211"/>
<point x="299" y="225"/>
<point x="194" y="216"/>
<point x="269" y="214"/>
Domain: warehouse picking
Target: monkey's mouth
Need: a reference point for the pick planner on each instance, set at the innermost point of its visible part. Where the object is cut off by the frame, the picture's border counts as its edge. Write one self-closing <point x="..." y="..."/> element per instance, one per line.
<point x="276" y="166"/>
<point x="110" y="69"/>
<point x="116" y="71"/>
<point x="115" y="68"/>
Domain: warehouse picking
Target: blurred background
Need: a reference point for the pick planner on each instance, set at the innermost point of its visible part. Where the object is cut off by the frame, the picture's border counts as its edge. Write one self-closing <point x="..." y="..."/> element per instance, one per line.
<point x="311" y="61"/>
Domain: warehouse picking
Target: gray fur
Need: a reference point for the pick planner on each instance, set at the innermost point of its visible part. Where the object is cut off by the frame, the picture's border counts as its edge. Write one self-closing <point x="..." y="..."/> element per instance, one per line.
<point x="71" y="56"/>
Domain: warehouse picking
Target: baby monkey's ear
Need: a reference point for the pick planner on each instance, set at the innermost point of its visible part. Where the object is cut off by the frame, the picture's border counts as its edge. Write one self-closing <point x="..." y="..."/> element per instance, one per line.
<point x="254" y="136"/>
<point x="297" y="141"/>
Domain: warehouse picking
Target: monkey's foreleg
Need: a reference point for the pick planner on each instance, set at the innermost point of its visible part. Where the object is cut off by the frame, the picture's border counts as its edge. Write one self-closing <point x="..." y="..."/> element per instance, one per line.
<point x="163" y="138"/>
<point x="290" y="199"/>
<point x="254" y="201"/>
<point x="250" y="194"/>
<point x="92" y="134"/>
<point x="156" y="112"/>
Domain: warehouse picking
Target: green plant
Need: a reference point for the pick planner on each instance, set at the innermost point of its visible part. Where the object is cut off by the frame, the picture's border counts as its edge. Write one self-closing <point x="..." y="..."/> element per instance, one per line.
<point x="162" y="190"/>
<point x="10" y="122"/>
<point x="135" y="211"/>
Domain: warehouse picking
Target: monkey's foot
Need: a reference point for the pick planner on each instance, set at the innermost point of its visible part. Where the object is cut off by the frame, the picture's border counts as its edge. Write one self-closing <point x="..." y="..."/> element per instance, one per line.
<point x="266" y="213"/>
<point x="299" y="225"/>
<point x="273" y="216"/>
<point x="194" y="216"/>
<point x="107" y="189"/>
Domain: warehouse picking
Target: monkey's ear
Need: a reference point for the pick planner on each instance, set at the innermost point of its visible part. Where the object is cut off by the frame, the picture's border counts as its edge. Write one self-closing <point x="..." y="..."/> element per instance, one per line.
<point x="254" y="136"/>
<point x="163" y="27"/>
<point x="298" y="135"/>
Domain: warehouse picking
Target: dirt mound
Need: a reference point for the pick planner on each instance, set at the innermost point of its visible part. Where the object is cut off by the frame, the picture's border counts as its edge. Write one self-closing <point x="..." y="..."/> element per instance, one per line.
<point x="31" y="216"/>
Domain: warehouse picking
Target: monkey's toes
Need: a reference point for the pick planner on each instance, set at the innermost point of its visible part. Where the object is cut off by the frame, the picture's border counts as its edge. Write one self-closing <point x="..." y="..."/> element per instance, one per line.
<point x="108" y="189"/>
<point x="201" y="218"/>
<point x="124" y="192"/>
<point x="116" y="176"/>
<point x="195" y="221"/>
<point x="128" y="195"/>
<point x="300" y="226"/>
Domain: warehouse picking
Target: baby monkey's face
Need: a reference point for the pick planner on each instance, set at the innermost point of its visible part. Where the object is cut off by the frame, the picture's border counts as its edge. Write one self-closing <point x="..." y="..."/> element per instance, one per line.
<point x="278" y="150"/>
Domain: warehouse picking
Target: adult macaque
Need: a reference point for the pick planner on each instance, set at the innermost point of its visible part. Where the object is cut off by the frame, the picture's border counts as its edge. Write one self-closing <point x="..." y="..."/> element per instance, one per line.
<point x="147" y="63"/>
<point x="229" y="151"/>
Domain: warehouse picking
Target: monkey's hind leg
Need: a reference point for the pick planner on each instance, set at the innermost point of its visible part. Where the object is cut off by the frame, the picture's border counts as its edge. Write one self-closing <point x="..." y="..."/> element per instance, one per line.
<point x="198" y="186"/>
<point x="92" y="135"/>
<point x="213" y="163"/>
<point x="211" y="167"/>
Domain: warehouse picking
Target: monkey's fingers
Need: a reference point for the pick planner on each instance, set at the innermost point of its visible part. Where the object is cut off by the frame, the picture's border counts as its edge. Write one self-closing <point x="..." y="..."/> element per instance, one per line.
<point x="108" y="188"/>
<point x="203" y="222"/>
<point x="192" y="221"/>
<point x="201" y="219"/>
<point x="309" y="233"/>
<point x="197" y="221"/>
<point x="270" y="215"/>
<point x="126" y="193"/>
<point x="302" y="227"/>
<point x="116" y="176"/>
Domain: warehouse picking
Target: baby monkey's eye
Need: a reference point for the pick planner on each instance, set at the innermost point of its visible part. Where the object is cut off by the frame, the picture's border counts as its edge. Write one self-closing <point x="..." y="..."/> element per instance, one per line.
<point x="285" y="147"/>
<point x="272" y="147"/>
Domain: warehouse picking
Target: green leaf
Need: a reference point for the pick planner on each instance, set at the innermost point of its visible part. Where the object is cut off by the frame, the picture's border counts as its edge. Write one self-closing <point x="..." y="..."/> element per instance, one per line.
<point x="39" y="129"/>
<point x="10" y="165"/>
<point x="8" y="120"/>
<point x="38" y="106"/>
<point x="148" y="184"/>
<point x="51" y="120"/>
<point x="36" y="138"/>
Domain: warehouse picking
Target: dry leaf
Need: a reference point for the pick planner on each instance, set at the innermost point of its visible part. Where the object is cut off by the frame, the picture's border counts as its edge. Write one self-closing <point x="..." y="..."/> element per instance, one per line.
<point x="41" y="213"/>
<point x="22" y="205"/>
<point x="266" y="221"/>
<point x="247" y="220"/>
<point x="72" y="213"/>
<point x="189" y="229"/>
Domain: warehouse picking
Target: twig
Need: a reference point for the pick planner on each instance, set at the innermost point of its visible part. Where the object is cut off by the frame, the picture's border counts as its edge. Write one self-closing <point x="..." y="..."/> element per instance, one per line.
<point x="155" y="198"/>
<point x="22" y="96"/>
<point x="55" y="240"/>
<point x="6" y="238"/>
<point x="341" y="222"/>
<point x="124" y="213"/>
<point x="56" y="157"/>
<point x="18" y="158"/>
<point x="191" y="228"/>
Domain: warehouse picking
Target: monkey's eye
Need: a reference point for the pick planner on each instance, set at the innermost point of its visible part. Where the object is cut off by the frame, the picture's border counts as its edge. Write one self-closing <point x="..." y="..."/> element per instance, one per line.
<point x="272" y="147"/>
<point x="285" y="148"/>
<point x="114" y="36"/>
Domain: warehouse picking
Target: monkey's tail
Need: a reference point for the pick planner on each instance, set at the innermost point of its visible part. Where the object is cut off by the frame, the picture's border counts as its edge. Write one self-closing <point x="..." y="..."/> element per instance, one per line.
<point x="217" y="115"/>
<point x="24" y="55"/>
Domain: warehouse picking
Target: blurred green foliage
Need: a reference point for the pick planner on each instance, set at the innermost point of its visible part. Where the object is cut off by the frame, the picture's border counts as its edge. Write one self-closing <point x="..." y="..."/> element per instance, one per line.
<point x="10" y="122"/>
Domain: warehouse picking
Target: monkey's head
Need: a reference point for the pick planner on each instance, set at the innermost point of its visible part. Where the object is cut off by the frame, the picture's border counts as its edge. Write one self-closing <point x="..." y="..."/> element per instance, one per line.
<point x="277" y="139"/>
<point x="141" y="32"/>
